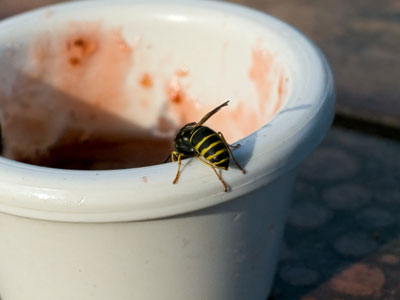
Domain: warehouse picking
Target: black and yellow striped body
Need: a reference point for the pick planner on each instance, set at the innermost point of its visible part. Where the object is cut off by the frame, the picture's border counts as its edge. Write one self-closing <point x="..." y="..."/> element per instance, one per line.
<point x="208" y="144"/>
<point x="203" y="143"/>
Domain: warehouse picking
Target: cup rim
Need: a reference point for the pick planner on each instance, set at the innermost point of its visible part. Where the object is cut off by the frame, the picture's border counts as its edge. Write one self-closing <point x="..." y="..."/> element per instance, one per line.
<point x="147" y="192"/>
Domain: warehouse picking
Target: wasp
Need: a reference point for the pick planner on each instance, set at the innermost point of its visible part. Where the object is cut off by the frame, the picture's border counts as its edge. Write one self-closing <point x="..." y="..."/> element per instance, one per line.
<point x="204" y="144"/>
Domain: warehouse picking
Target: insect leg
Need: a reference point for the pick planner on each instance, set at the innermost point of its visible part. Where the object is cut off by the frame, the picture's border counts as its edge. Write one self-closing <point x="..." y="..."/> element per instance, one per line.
<point x="179" y="165"/>
<point x="174" y="155"/>
<point x="230" y="152"/>
<point x="215" y="171"/>
<point x="211" y="113"/>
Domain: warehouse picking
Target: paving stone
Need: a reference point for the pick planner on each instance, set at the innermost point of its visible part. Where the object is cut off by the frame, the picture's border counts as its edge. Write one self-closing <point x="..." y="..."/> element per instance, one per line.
<point x="374" y="277"/>
<point x="309" y="215"/>
<point x="389" y="259"/>
<point x="299" y="276"/>
<point x="359" y="280"/>
<point x="286" y="253"/>
<point x="305" y="191"/>
<point x="375" y="217"/>
<point x="329" y="164"/>
<point x="355" y="244"/>
<point x="391" y="196"/>
<point x="343" y="227"/>
<point x="347" y="196"/>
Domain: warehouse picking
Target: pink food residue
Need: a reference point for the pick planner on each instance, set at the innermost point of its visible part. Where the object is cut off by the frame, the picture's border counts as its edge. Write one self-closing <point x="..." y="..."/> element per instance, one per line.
<point x="175" y="91"/>
<point x="86" y="61"/>
<point x="146" y="81"/>
<point x="184" y="108"/>
<point x="182" y="72"/>
<point x="269" y="79"/>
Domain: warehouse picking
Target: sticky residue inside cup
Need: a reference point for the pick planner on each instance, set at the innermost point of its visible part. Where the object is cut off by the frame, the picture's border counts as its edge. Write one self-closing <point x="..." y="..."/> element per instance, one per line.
<point x="86" y="99"/>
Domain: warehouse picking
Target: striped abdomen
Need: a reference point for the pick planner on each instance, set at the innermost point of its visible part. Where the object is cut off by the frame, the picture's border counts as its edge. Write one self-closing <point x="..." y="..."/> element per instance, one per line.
<point x="209" y="144"/>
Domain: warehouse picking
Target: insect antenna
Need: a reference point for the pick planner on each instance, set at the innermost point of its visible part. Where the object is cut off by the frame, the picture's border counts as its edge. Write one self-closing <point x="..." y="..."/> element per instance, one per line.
<point x="211" y="113"/>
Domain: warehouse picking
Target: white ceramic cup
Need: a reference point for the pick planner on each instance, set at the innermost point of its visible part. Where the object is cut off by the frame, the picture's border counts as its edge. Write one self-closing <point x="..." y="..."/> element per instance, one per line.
<point x="81" y="70"/>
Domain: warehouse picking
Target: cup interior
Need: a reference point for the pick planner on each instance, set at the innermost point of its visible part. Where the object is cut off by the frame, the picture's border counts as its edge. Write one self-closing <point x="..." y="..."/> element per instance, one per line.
<point x="103" y="86"/>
